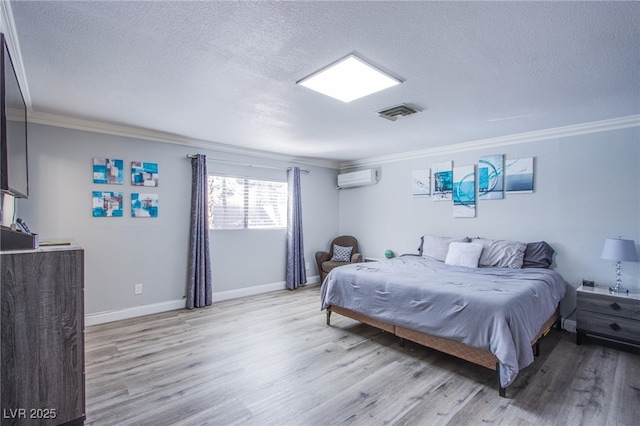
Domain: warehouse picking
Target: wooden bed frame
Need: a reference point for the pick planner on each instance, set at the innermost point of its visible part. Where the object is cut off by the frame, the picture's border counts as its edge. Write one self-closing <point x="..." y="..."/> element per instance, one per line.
<point x="460" y="350"/>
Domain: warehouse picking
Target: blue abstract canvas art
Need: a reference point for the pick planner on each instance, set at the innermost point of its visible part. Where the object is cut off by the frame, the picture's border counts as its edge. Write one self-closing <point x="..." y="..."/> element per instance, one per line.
<point x="108" y="171"/>
<point x="464" y="191"/>
<point x="107" y="204"/>
<point x="519" y="175"/>
<point x="144" y="174"/>
<point x="442" y="181"/>
<point x="491" y="177"/>
<point x="144" y="205"/>
<point x="421" y="186"/>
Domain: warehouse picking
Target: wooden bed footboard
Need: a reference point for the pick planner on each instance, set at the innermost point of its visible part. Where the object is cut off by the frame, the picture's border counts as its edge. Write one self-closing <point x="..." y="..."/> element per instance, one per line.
<point x="389" y="328"/>
<point x="477" y="356"/>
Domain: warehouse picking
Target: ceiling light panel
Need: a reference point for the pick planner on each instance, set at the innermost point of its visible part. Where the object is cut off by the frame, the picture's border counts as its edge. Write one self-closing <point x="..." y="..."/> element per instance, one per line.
<point x="349" y="79"/>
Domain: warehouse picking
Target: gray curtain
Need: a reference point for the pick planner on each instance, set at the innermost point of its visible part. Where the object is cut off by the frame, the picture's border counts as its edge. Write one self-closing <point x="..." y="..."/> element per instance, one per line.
<point x="296" y="273"/>
<point x="200" y="288"/>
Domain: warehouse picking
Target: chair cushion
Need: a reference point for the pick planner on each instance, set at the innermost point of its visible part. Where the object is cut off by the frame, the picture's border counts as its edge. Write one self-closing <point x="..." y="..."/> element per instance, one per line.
<point x="341" y="254"/>
<point x="328" y="266"/>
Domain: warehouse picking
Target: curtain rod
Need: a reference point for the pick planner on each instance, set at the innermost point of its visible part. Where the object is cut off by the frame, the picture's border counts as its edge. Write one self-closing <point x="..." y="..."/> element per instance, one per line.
<point x="238" y="163"/>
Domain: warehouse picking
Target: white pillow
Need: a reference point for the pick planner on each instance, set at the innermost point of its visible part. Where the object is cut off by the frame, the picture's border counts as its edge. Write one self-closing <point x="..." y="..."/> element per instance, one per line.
<point x="437" y="247"/>
<point x="501" y="253"/>
<point x="464" y="254"/>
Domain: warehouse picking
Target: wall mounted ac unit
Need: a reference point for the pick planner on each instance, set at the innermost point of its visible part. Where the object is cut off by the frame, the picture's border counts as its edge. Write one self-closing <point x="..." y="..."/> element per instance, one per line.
<point x="359" y="178"/>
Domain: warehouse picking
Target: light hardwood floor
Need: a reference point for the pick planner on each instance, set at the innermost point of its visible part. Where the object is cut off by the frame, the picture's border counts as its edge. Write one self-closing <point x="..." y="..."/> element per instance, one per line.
<point x="271" y="360"/>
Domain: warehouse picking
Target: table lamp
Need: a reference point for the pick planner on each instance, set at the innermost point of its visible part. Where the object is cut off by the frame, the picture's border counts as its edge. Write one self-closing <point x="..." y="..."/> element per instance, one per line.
<point x="619" y="250"/>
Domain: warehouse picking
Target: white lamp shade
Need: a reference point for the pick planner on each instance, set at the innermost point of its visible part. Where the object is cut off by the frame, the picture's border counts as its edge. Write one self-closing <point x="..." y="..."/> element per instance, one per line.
<point x="619" y="250"/>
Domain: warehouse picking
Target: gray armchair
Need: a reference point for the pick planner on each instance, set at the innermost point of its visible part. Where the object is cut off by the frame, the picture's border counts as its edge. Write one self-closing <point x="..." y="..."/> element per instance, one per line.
<point x="323" y="258"/>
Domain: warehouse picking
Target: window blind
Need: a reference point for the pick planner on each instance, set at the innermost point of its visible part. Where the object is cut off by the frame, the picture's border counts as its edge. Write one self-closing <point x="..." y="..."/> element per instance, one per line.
<point x="243" y="203"/>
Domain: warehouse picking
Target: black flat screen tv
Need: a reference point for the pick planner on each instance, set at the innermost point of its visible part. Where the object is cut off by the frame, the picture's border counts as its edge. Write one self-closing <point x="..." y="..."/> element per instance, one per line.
<point x="13" y="135"/>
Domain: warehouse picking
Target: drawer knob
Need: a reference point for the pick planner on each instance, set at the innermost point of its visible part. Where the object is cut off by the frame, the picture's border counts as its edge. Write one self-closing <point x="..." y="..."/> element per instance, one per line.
<point x="615" y="306"/>
<point x="615" y="326"/>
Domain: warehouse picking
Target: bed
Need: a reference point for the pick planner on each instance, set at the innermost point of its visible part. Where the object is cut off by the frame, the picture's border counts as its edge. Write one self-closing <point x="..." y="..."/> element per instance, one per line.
<point x="492" y="315"/>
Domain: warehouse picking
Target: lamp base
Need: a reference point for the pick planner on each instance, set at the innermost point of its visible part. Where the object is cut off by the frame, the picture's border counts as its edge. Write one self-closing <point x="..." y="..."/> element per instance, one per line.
<point x="618" y="290"/>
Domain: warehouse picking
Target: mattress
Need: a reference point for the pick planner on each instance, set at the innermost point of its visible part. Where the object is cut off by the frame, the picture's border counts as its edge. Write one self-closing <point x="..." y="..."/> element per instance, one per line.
<point x="496" y="309"/>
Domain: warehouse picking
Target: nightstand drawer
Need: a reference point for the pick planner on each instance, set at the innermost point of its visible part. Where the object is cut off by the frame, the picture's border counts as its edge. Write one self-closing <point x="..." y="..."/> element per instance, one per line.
<point x="609" y="305"/>
<point x="611" y="326"/>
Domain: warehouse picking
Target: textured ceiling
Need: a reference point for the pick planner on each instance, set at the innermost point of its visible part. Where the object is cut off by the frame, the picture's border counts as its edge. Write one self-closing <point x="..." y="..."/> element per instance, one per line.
<point x="225" y="72"/>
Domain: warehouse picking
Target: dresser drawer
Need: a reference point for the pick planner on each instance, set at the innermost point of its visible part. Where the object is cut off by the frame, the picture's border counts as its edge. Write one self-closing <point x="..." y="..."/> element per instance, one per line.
<point x="611" y="326"/>
<point x="609" y="305"/>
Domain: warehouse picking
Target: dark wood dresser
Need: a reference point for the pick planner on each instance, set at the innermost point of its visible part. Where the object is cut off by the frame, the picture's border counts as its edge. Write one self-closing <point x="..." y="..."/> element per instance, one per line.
<point x="42" y="340"/>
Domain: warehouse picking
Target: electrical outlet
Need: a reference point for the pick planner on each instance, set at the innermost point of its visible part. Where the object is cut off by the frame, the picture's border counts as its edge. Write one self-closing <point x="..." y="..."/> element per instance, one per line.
<point x="306" y="265"/>
<point x="137" y="289"/>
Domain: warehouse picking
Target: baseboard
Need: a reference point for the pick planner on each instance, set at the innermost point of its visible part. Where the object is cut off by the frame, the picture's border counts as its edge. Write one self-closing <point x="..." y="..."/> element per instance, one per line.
<point x="136" y="311"/>
<point x="259" y="289"/>
<point x="171" y="305"/>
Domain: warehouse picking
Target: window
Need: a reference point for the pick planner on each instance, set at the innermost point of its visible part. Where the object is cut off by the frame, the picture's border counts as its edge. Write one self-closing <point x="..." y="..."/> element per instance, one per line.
<point x="242" y="203"/>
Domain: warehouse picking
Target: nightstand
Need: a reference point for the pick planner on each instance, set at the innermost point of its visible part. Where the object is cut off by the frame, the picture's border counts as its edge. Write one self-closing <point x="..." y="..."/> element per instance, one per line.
<point x="613" y="316"/>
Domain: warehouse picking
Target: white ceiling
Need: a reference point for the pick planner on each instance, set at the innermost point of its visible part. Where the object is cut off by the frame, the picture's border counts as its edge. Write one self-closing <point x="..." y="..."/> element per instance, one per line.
<point x="225" y="72"/>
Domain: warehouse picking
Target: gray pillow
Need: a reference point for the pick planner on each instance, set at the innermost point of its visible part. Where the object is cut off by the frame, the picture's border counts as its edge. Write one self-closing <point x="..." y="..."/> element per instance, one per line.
<point x="501" y="253"/>
<point x="438" y="247"/>
<point x="538" y="255"/>
<point x="341" y="254"/>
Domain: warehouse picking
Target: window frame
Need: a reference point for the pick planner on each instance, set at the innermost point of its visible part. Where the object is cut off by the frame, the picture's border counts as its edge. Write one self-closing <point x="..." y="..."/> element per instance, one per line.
<point x="246" y="204"/>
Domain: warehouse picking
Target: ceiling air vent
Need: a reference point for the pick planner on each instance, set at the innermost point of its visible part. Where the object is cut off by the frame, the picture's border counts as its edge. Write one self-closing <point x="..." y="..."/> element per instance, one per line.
<point x="398" y="111"/>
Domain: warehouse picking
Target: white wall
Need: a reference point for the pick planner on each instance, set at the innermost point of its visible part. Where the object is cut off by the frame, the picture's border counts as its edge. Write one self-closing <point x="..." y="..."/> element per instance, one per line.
<point x="587" y="188"/>
<point x="120" y="252"/>
<point x="260" y="254"/>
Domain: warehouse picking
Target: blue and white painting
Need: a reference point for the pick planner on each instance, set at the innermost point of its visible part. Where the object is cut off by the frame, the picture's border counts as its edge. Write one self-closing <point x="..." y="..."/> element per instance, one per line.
<point x="144" y="174"/>
<point x="144" y="205"/>
<point x="442" y="181"/>
<point x="519" y="175"/>
<point x="464" y="191"/>
<point x="421" y="186"/>
<point x="108" y="171"/>
<point x="491" y="177"/>
<point x="107" y="204"/>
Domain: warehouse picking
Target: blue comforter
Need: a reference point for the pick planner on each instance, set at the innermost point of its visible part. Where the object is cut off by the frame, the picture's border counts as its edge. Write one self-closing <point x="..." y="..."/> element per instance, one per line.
<point x="496" y="309"/>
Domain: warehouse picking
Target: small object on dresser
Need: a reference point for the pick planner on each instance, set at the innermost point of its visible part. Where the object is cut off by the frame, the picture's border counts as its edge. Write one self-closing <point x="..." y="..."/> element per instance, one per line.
<point x="23" y="225"/>
<point x="16" y="240"/>
<point x="588" y="283"/>
<point x="55" y="242"/>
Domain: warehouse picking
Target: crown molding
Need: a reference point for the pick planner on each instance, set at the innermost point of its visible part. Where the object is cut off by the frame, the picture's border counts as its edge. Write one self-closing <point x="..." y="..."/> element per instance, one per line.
<point x="536" y="136"/>
<point x="55" y="120"/>
<point x="9" y="30"/>
<point x="138" y="133"/>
